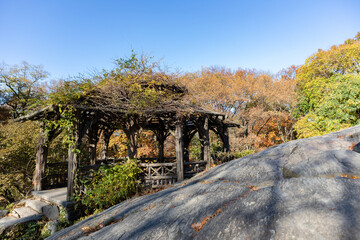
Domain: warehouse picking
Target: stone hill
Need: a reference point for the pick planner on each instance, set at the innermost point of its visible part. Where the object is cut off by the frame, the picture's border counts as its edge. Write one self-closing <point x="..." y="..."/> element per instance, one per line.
<point x="304" y="189"/>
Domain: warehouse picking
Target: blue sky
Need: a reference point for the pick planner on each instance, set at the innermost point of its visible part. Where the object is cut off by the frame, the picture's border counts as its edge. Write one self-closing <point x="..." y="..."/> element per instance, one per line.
<point x="69" y="37"/>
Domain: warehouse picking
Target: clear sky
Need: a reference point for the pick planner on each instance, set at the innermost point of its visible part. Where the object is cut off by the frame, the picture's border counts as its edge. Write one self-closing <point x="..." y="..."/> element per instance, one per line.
<point x="69" y="37"/>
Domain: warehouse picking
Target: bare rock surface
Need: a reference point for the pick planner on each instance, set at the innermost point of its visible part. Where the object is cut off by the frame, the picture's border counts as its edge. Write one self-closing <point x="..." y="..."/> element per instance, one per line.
<point x="36" y="204"/>
<point x="23" y="212"/>
<point x="304" y="189"/>
<point x="3" y="213"/>
<point x="51" y="212"/>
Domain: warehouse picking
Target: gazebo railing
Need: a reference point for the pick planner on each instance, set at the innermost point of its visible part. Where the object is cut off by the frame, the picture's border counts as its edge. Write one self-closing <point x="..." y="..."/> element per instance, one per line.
<point x="55" y="175"/>
<point x="158" y="174"/>
<point x="155" y="174"/>
<point x="192" y="168"/>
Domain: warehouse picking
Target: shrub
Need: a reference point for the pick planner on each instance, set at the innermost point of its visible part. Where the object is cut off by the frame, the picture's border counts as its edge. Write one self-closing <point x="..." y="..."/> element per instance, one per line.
<point x="17" y="159"/>
<point x="222" y="157"/>
<point x="109" y="185"/>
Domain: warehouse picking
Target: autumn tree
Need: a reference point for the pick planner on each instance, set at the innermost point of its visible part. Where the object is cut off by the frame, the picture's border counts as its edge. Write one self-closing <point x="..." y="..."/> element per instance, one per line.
<point x="327" y="88"/>
<point x="20" y="86"/>
<point x="261" y="103"/>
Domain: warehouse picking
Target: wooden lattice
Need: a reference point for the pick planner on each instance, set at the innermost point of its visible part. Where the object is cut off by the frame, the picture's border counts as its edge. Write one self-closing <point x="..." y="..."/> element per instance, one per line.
<point x="159" y="174"/>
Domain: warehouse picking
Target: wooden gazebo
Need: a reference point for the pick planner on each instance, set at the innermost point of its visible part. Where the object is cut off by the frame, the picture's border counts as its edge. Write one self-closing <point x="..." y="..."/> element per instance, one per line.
<point x="94" y="118"/>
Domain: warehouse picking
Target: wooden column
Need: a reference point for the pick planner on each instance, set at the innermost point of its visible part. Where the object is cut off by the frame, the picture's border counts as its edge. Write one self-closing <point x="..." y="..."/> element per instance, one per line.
<point x="161" y="134"/>
<point x="225" y="139"/>
<point x="188" y="135"/>
<point x="131" y="130"/>
<point x="42" y="150"/>
<point x="73" y="159"/>
<point x="72" y="168"/>
<point x="161" y="142"/>
<point x="206" y="143"/>
<point x="179" y="145"/>
<point x="105" y="144"/>
<point x="41" y="158"/>
<point x="93" y="140"/>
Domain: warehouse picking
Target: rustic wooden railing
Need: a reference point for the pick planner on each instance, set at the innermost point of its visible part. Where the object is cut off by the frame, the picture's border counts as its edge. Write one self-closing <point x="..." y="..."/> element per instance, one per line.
<point x="55" y="175"/>
<point x="158" y="174"/>
<point x="154" y="174"/>
<point x="192" y="168"/>
<point x="156" y="160"/>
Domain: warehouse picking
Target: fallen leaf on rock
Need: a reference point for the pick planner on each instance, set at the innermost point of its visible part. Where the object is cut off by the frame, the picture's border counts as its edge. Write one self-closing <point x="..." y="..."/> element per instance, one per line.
<point x="253" y="188"/>
<point x="203" y="182"/>
<point x="196" y="226"/>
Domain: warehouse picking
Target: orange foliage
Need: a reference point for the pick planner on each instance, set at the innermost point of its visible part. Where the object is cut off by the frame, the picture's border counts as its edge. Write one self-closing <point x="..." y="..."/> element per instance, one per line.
<point x="261" y="103"/>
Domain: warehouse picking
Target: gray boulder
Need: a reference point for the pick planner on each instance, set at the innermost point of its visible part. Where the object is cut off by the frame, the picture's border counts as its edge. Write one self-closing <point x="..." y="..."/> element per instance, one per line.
<point x="51" y="212"/>
<point x="3" y="213"/>
<point x="304" y="189"/>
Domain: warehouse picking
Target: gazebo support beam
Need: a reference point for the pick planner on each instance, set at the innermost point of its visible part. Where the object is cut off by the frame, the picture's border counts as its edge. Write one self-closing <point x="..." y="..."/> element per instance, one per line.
<point x="161" y="134"/>
<point x="203" y="126"/>
<point x="206" y="142"/>
<point x="131" y="130"/>
<point x="42" y="150"/>
<point x="179" y="146"/>
<point x="107" y="132"/>
<point x="93" y="140"/>
<point x="73" y="160"/>
<point x="225" y="139"/>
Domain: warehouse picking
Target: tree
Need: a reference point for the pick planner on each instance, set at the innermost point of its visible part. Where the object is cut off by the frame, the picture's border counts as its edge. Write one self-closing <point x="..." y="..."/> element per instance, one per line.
<point x="17" y="159"/>
<point x="261" y="103"/>
<point x="20" y="86"/>
<point x="326" y="87"/>
<point x="338" y="108"/>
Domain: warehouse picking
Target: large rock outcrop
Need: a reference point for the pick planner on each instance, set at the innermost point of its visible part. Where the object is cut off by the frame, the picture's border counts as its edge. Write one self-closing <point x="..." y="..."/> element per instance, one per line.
<point x="304" y="189"/>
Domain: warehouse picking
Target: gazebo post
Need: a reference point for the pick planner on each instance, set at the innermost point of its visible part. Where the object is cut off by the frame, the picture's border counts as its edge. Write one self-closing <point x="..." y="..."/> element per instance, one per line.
<point x="188" y="135"/>
<point x="42" y="150"/>
<point x="41" y="157"/>
<point x="93" y="140"/>
<point x="73" y="158"/>
<point x="131" y="128"/>
<point x="179" y="145"/>
<point x="161" y="140"/>
<point x="226" y="142"/>
<point x="161" y="134"/>
<point x="206" y="142"/>
<point x="107" y="132"/>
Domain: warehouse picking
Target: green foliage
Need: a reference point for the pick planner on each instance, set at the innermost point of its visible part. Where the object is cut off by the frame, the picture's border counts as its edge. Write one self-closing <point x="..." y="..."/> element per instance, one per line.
<point x="17" y="159"/>
<point x="195" y="149"/>
<point x="25" y="231"/>
<point x="136" y="83"/>
<point x="223" y="157"/>
<point x="318" y="69"/>
<point x="18" y="143"/>
<point x="328" y="89"/>
<point x="63" y="220"/>
<point x="338" y="108"/>
<point x="109" y="186"/>
<point x="20" y="88"/>
<point x="70" y="91"/>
